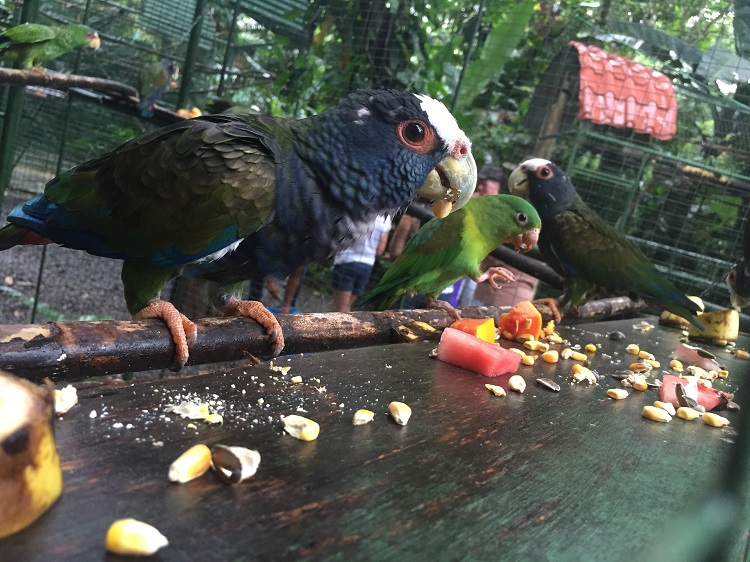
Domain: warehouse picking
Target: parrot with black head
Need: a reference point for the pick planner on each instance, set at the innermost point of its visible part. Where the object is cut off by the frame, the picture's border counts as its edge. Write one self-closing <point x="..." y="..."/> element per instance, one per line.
<point x="232" y="198"/>
<point x="586" y="250"/>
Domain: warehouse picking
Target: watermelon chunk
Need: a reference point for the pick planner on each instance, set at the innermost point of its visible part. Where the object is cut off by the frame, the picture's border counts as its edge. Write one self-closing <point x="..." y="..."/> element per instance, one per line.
<point x="482" y="328"/>
<point x="467" y="351"/>
<point x="522" y="319"/>
<point x="709" y="398"/>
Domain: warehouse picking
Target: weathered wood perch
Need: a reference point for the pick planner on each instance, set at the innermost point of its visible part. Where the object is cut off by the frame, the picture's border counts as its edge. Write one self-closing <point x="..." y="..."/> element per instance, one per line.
<point x="60" y="81"/>
<point x="65" y="351"/>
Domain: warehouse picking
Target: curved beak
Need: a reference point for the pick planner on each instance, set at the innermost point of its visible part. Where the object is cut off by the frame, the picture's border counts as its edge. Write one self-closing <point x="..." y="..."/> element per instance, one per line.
<point x="94" y="41"/>
<point x="525" y="241"/>
<point x="450" y="185"/>
<point x="518" y="183"/>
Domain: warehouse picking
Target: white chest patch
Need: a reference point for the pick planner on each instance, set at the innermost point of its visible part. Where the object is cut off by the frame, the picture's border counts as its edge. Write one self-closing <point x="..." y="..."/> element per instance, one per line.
<point x="220" y="253"/>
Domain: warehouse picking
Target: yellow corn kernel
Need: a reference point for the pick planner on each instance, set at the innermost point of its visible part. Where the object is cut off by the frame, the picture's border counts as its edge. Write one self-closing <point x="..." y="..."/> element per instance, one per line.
<point x="714" y="420"/>
<point x="191" y="464"/>
<point x="301" y="428"/>
<point x="214" y="418"/>
<point x="617" y="393"/>
<point x="133" y="537"/>
<point x="495" y="389"/>
<point x="520" y="352"/>
<point x="523" y="338"/>
<point x="361" y="417"/>
<point x="400" y="412"/>
<point x="578" y="356"/>
<point x="653" y="363"/>
<point x="535" y="345"/>
<point x="666" y="406"/>
<point x="554" y="338"/>
<point x="549" y="328"/>
<point x="645" y="355"/>
<point x="722" y="373"/>
<point x="566" y="353"/>
<point x="550" y="356"/>
<point x="590" y="347"/>
<point x="528" y="359"/>
<point x="741" y="354"/>
<point x="640" y="367"/>
<point x="517" y="383"/>
<point x="296" y="379"/>
<point x="633" y="349"/>
<point x="586" y="375"/>
<point x="656" y="414"/>
<point x="687" y="413"/>
<point x="676" y="365"/>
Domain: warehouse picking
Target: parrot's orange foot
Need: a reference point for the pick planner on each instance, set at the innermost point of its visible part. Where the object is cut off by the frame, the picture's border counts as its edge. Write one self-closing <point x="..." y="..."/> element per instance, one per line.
<point x="505" y="274"/>
<point x="553" y="305"/>
<point x="39" y="70"/>
<point x="432" y="302"/>
<point x="258" y="312"/>
<point x="183" y="330"/>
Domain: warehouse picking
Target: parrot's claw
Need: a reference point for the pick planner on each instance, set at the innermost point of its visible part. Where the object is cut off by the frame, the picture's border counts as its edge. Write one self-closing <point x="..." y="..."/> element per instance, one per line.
<point x="258" y="312"/>
<point x="183" y="330"/>
<point x="443" y="305"/>
<point x="505" y="274"/>
<point x="553" y="305"/>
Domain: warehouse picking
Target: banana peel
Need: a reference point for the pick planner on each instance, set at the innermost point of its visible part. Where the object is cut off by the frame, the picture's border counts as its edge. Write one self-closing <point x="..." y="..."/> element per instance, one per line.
<point x="30" y="472"/>
<point x="722" y="326"/>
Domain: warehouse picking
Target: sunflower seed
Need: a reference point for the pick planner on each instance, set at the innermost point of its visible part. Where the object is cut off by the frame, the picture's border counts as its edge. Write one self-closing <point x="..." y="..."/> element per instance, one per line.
<point x="549" y="384"/>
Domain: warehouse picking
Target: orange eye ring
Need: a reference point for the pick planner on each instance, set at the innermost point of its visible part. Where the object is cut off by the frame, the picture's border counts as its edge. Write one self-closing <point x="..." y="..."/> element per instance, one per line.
<point x="417" y="135"/>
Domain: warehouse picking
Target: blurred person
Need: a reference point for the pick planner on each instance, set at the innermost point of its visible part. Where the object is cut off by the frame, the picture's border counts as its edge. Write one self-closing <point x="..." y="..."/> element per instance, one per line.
<point x="353" y="267"/>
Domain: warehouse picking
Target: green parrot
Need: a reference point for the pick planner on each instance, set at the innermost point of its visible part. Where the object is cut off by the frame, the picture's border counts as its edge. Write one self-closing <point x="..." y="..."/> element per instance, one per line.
<point x="447" y="249"/>
<point x="32" y="44"/>
<point x="587" y="251"/>
<point x="232" y="198"/>
<point x="154" y="80"/>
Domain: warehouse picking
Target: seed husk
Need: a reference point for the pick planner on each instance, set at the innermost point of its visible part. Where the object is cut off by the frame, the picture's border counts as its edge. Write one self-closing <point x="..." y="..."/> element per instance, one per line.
<point x="549" y="384"/>
<point x="234" y="464"/>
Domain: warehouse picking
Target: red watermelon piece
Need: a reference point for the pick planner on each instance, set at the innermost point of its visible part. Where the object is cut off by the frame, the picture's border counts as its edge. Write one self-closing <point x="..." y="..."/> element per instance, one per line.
<point x="467" y="351"/>
<point x="709" y="398"/>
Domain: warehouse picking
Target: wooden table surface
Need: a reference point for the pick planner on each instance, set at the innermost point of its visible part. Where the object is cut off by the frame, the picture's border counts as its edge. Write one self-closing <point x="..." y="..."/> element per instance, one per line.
<point x="535" y="476"/>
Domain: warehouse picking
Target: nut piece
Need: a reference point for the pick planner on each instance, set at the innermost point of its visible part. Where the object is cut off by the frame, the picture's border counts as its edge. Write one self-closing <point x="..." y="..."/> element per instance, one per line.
<point x="714" y="420"/>
<point x="302" y="428"/>
<point x="191" y="464"/>
<point x="234" y="464"/>
<point x="495" y="389"/>
<point x="517" y="383"/>
<point x="361" y="417"/>
<point x="551" y="356"/>
<point x="656" y="414"/>
<point x="617" y="393"/>
<point x="687" y="413"/>
<point x="130" y="536"/>
<point x="400" y="412"/>
<point x="666" y="406"/>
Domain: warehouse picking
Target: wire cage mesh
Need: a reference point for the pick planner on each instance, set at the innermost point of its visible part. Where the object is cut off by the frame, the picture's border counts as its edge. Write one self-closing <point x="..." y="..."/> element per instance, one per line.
<point x="681" y="201"/>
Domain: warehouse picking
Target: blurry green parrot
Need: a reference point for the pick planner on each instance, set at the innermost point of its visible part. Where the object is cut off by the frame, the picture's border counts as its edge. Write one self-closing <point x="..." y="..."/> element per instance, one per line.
<point x="447" y="249"/>
<point x="155" y="80"/>
<point x="232" y="198"/>
<point x="32" y="44"/>
<point x="587" y="251"/>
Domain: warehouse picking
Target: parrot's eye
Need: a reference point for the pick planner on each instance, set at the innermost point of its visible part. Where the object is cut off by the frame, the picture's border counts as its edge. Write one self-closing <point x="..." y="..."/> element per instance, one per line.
<point x="417" y="135"/>
<point x="543" y="172"/>
<point x="522" y="218"/>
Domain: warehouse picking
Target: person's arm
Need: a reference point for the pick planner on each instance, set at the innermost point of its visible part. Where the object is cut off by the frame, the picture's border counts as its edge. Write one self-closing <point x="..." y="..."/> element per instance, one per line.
<point x="292" y="284"/>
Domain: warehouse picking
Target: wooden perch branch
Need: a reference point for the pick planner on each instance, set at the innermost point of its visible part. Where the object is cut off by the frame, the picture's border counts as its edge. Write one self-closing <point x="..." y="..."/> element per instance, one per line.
<point x="60" y="81"/>
<point x="67" y="351"/>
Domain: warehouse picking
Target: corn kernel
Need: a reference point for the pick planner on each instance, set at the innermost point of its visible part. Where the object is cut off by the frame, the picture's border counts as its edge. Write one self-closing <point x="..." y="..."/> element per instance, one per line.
<point x="633" y="349"/>
<point x="400" y="412"/>
<point x="535" y="345"/>
<point x="687" y="413"/>
<point x="714" y="420"/>
<point x="133" y="537"/>
<point x="676" y="365"/>
<point x="666" y="406"/>
<point x="523" y="338"/>
<point x="566" y="353"/>
<point x="639" y="367"/>
<point x="528" y="359"/>
<point x="645" y="355"/>
<point x="617" y="393"/>
<point x="550" y="356"/>
<point x="554" y="338"/>
<point x="656" y="414"/>
<point x="590" y="347"/>
<point x="362" y="416"/>
<point x="191" y="464"/>
<point x="495" y="389"/>
<point x="296" y="379"/>
<point x="520" y="352"/>
<point x="722" y="373"/>
<point x="549" y="328"/>
<point x="517" y="383"/>
<point x="214" y="418"/>
<point x="741" y="354"/>
<point x="653" y="363"/>
<point x="301" y="428"/>
<point x="578" y="356"/>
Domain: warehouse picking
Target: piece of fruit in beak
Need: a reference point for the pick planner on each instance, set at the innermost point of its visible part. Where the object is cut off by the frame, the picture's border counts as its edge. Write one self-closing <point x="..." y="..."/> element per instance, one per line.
<point x="518" y="182"/>
<point x="451" y="184"/>
<point x="524" y="242"/>
<point x="94" y="41"/>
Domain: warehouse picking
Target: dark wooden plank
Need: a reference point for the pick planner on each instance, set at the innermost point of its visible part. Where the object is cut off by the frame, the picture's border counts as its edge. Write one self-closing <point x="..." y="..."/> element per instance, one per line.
<point x="539" y="476"/>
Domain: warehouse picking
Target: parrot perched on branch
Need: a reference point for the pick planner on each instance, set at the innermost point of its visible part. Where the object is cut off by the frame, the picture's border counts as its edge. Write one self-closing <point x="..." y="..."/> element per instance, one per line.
<point x="32" y="44"/>
<point x="232" y="198"/>
<point x="586" y="250"/>
<point x="447" y="249"/>
<point x="155" y="80"/>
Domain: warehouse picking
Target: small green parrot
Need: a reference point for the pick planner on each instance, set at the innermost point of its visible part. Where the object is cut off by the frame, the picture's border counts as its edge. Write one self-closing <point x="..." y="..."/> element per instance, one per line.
<point x="154" y="80"/>
<point x="587" y="251"/>
<point x="445" y="250"/>
<point x="32" y="44"/>
<point x="232" y="198"/>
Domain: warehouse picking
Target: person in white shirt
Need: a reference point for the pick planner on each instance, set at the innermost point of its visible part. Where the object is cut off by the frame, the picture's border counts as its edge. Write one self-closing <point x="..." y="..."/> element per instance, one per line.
<point x="352" y="268"/>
